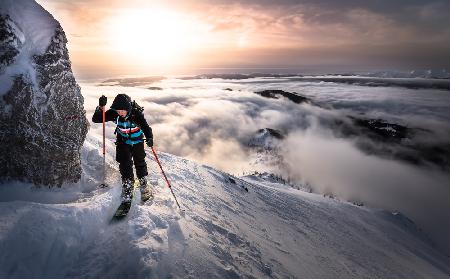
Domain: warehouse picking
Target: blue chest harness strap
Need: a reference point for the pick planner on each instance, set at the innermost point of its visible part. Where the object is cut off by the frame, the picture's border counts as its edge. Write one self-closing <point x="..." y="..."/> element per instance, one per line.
<point x="128" y="131"/>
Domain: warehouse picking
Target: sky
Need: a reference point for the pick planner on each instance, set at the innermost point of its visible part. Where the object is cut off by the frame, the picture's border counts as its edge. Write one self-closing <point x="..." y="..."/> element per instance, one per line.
<point x="181" y="37"/>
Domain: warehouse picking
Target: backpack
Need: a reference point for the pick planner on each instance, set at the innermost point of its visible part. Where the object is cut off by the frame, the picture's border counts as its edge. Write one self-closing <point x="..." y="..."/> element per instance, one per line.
<point x="136" y="107"/>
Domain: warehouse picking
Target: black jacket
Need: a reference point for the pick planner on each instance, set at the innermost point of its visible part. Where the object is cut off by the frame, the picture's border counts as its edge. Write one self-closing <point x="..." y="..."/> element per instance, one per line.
<point x="136" y="117"/>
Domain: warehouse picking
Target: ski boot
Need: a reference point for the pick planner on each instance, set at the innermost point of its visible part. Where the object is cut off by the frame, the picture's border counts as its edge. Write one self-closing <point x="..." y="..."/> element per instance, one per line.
<point x="127" y="190"/>
<point x="146" y="191"/>
<point x="126" y="197"/>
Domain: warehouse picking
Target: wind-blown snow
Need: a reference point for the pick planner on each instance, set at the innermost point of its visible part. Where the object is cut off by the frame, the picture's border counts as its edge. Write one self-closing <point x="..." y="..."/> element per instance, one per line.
<point x="37" y="27"/>
<point x="271" y="231"/>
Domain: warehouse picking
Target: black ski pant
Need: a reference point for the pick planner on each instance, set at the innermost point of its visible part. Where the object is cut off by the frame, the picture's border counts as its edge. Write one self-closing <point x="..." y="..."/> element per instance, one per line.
<point x="126" y="154"/>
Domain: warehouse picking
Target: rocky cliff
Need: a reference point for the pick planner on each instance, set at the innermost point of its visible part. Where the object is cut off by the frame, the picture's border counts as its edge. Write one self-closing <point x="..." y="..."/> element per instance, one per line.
<point x="42" y="119"/>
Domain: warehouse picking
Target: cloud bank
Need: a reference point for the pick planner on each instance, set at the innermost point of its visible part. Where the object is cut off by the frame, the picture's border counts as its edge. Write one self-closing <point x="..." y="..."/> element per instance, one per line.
<point x="200" y="120"/>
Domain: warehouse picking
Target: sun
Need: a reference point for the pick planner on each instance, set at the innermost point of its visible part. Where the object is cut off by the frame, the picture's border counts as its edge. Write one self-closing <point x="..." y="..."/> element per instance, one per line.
<point x="156" y="37"/>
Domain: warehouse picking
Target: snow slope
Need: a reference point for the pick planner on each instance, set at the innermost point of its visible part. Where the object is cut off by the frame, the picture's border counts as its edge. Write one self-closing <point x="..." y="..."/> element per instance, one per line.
<point x="271" y="231"/>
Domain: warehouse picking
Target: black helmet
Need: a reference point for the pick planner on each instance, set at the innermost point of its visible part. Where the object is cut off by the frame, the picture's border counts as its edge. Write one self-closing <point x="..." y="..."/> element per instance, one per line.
<point x="122" y="102"/>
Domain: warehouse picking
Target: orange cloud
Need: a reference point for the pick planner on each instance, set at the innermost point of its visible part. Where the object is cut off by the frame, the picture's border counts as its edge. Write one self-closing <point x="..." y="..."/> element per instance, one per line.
<point x="264" y="33"/>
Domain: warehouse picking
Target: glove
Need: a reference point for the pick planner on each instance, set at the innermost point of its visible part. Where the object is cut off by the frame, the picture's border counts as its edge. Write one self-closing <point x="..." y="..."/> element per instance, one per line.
<point x="149" y="142"/>
<point x="102" y="101"/>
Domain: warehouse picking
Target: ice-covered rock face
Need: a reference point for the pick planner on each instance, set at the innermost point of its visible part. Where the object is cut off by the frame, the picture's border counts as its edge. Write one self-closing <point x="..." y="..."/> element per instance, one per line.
<point x="10" y="41"/>
<point x="43" y="121"/>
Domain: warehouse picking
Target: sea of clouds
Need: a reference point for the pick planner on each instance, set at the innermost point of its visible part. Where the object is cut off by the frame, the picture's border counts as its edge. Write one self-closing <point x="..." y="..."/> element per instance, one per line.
<point x="202" y="121"/>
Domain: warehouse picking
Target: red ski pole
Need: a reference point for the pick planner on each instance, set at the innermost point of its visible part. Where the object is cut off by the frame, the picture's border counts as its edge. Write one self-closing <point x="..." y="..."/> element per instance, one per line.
<point x="103" y="115"/>
<point x="165" y="177"/>
<point x="104" y="148"/>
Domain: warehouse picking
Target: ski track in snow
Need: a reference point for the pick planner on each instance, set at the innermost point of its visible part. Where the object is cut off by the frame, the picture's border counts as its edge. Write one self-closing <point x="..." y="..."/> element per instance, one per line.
<point x="272" y="231"/>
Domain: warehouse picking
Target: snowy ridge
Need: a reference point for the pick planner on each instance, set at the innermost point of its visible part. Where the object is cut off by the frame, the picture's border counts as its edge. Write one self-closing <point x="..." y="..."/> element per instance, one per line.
<point x="272" y="231"/>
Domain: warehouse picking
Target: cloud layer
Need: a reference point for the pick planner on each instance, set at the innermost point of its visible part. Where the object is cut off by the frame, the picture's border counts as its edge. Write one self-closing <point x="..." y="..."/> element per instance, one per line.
<point x="200" y="120"/>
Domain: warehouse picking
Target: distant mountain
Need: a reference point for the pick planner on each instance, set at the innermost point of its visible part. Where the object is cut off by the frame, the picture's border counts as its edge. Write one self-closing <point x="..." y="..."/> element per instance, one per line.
<point x="373" y="81"/>
<point x="239" y="76"/>
<point x="132" y="82"/>
<point x="266" y="139"/>
<point x="433" y="74"/>
<point x="411" y="80"/>
<point x="275" y="94"/>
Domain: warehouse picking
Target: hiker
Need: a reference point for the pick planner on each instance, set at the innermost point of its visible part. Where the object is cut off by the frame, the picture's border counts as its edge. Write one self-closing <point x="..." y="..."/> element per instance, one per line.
<point x="131" y="125"/>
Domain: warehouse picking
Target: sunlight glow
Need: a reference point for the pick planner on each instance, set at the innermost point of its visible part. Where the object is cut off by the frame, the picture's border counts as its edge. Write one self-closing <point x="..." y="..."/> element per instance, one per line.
<point x="156" y="37"/>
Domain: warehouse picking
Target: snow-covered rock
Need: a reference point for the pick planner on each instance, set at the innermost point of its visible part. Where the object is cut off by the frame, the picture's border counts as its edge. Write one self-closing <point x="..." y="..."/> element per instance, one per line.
<point x="266" y="139"/>
<point x="265" y="150"/>
<point x="42" y="120"/>
<point x="11" y="40"/>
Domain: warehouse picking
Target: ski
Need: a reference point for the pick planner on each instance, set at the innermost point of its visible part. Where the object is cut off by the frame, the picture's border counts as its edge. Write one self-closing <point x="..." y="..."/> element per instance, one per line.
<point x="124" y="207"/>
<point x="146" y="196"/>
<point x="122" y="211"/>
<point x="147" y="199"/>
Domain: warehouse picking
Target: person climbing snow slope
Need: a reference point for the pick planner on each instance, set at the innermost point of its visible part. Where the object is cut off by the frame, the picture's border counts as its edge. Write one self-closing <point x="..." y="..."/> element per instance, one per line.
<point x="130" y="130"/>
